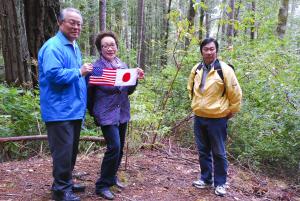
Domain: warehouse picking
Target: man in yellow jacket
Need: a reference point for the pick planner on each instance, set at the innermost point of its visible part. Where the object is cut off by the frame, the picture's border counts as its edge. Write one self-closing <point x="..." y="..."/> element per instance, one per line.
<point x="216" y="97"/>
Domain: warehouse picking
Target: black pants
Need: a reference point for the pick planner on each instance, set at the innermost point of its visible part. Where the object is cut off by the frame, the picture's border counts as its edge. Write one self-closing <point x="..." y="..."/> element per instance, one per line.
<point x="63" y="138"/>
<point x="114" y="136"/>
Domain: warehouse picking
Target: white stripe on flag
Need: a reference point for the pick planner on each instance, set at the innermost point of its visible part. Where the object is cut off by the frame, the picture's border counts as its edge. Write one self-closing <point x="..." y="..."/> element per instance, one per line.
<point x="107" y="78"/>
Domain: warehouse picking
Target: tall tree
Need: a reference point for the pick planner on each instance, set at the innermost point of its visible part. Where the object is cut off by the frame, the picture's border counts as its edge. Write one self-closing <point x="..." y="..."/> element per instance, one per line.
<point x="141" y="35"/>
<point x="92" y="5"/>
<point x="102" y="14"/>
<point x="41" y="24"/>
<point x="201" y="20"/>
<point x="126" y="24"/>
<point x="191" y="18"/>
<point x="118" y="17"/>
<point x="224" y="25"/>
<point x="230" y="27"/>
<point x="237" y="16"/>
<point x="26" y="25"/>
<point x="207" y="23"/>
<point x="282" y="18"/>
<point x="15" y="47"/>
<point x="252" y="31"/>
<point x="166" y="25"/>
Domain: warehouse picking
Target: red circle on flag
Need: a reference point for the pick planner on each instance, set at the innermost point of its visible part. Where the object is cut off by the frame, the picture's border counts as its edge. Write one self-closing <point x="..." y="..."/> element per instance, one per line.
<point x="126" y="77"/>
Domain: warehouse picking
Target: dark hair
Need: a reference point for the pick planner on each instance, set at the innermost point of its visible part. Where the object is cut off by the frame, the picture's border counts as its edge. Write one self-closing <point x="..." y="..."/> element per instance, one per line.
<point x="101" y="35"/>
<point x="209" y="40"/>
<point x="63" y="12"/>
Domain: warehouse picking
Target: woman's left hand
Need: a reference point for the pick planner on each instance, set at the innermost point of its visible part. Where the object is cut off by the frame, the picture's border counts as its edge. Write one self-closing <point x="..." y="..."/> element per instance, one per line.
<point x="141" y="73"/>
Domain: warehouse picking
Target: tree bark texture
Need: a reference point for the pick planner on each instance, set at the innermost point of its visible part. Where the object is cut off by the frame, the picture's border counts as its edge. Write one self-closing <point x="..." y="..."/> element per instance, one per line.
<point x="191" y="18"/>
<point x="224" y="25"/>
<point x="92" y="27"/>
<point x="230" y="27"/>
<point x="127" y="45"/>
<point x="252" y="31"/>
<point x="118" y="18"/>
<point x="102" y="15"/>
<point x="14" y="41"/>
<point x="166" y="25"/>
<point x="141" y="36"/>
<point x="282" y="18"/>
<point x="201" y="21"/>
<point x="207" y="23"/>
<point x="41" y="24"/>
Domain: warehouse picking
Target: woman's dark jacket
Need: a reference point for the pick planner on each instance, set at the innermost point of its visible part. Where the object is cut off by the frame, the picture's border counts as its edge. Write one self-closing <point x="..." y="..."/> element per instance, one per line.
<point x="109" y="105"/>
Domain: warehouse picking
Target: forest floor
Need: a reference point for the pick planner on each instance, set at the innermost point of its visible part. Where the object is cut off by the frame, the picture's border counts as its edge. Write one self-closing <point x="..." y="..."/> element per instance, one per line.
<point x="150" y="175"/>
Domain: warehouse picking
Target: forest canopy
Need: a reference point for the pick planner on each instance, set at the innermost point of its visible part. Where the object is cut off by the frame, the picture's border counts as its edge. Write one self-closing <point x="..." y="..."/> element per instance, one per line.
<point x="261" y="38"/>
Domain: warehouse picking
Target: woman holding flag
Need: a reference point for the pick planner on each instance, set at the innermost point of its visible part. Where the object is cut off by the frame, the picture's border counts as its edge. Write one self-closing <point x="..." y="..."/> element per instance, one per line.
<point x="109" y="86"/>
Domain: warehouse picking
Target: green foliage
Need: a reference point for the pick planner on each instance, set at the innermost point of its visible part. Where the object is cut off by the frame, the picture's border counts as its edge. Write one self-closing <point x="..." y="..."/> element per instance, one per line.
<point x="19" y="110"/>
<point x="266" y="132"/>
<point x="19" y="115"/>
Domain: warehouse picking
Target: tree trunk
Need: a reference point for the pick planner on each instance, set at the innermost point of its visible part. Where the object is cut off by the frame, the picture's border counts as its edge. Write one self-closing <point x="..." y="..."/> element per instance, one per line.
<point x="141" y="36"/>
<point x="237" y="16"/>
<point x="102" y="15"/>
<point x="252" y="31"/>
<point x="207" y="23"/>
<point x="166" y="24"/>
<point x="230" y="27"/>
<point x="191" y="18"/>
<point x="41" y="24"/>
<point x="201" y="21"/>
<point x="118" y="17"/>
<point x="223" y="27"/>
<point x="282" y="18"/>
<point x="92" y="27"/>
<point x="127" y="45"/>
<point x="14" y="41"/>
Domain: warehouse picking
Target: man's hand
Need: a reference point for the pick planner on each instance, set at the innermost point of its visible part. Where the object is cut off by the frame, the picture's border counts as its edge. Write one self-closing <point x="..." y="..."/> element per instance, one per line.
<point x="230" y="115"/>
<point x="86" y="68"/>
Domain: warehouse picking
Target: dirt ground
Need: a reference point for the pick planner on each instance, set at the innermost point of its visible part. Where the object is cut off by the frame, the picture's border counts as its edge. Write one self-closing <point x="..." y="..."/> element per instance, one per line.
<point x="150" y="175"/>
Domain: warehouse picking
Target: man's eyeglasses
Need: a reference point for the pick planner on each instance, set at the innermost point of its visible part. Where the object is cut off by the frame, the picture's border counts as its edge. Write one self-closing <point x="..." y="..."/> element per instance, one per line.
<point x="73" y="23"/>
<point x="106" y="46"/>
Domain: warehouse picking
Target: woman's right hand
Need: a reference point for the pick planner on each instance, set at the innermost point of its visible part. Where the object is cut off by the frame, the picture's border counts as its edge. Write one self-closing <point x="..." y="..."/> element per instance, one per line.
<point x="141" y="73"/>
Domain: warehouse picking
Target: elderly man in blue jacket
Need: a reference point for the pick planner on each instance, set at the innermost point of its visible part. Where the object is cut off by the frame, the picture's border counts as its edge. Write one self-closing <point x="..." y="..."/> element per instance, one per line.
<point x="63" y="100"/>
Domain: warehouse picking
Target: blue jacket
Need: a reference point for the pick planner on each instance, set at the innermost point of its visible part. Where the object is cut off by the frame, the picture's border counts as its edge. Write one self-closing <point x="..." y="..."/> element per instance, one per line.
<point x="109" y="105"/>
<point x="62" y="89"/>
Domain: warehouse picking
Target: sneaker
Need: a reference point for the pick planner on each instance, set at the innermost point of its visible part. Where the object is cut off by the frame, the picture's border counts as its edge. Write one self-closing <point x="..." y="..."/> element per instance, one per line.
<point x="201" y="184"/>
<point x="220" y="190"/>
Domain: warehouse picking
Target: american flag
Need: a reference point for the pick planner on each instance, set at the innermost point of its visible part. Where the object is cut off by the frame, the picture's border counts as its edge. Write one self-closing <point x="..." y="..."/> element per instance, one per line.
<point x="103" y="77"/>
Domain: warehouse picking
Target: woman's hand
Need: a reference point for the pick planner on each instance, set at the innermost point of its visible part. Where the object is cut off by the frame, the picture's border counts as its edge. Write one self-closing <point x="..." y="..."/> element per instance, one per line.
<point x="141" y="73"/>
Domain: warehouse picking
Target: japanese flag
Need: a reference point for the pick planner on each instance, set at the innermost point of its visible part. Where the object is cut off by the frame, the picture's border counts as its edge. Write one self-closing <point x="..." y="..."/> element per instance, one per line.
<point x="126" y="77"/>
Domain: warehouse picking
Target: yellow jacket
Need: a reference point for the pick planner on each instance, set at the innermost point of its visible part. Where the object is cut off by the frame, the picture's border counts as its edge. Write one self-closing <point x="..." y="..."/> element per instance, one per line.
<point x="210" y="102"/>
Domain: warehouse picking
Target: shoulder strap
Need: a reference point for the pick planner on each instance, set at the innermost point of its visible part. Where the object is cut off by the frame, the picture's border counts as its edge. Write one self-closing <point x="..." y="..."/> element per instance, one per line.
<point x="219" y="69"/>
<point x="199" y="67"/>
<point x="220" y="73"/>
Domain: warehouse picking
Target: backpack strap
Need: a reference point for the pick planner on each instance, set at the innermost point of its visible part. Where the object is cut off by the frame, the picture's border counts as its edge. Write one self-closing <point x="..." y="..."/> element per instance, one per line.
<point x="220" y="73"/>
<point x="199" y="67"/>
<point x="217" y="67"/>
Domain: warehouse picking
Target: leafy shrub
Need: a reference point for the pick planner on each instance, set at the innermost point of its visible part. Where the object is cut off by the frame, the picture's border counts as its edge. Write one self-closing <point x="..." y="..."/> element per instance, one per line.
<point x="19" y="116"/>
<point x="266" y="132"/>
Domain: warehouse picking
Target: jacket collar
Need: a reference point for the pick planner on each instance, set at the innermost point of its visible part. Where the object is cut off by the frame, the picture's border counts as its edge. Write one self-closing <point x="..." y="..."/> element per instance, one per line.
<point x="64" y="39"/>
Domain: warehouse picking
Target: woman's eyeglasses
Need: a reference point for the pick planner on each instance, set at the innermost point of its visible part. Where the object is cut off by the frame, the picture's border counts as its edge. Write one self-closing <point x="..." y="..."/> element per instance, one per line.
<point x="106" y="46"/>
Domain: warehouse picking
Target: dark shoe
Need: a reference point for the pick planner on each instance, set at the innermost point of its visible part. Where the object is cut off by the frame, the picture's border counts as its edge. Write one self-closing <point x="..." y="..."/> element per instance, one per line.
<point x="120" y="185"/>
<point x="77" y="188"/>
<point x="64" y="196"/>
<point x="105" y="193"/>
